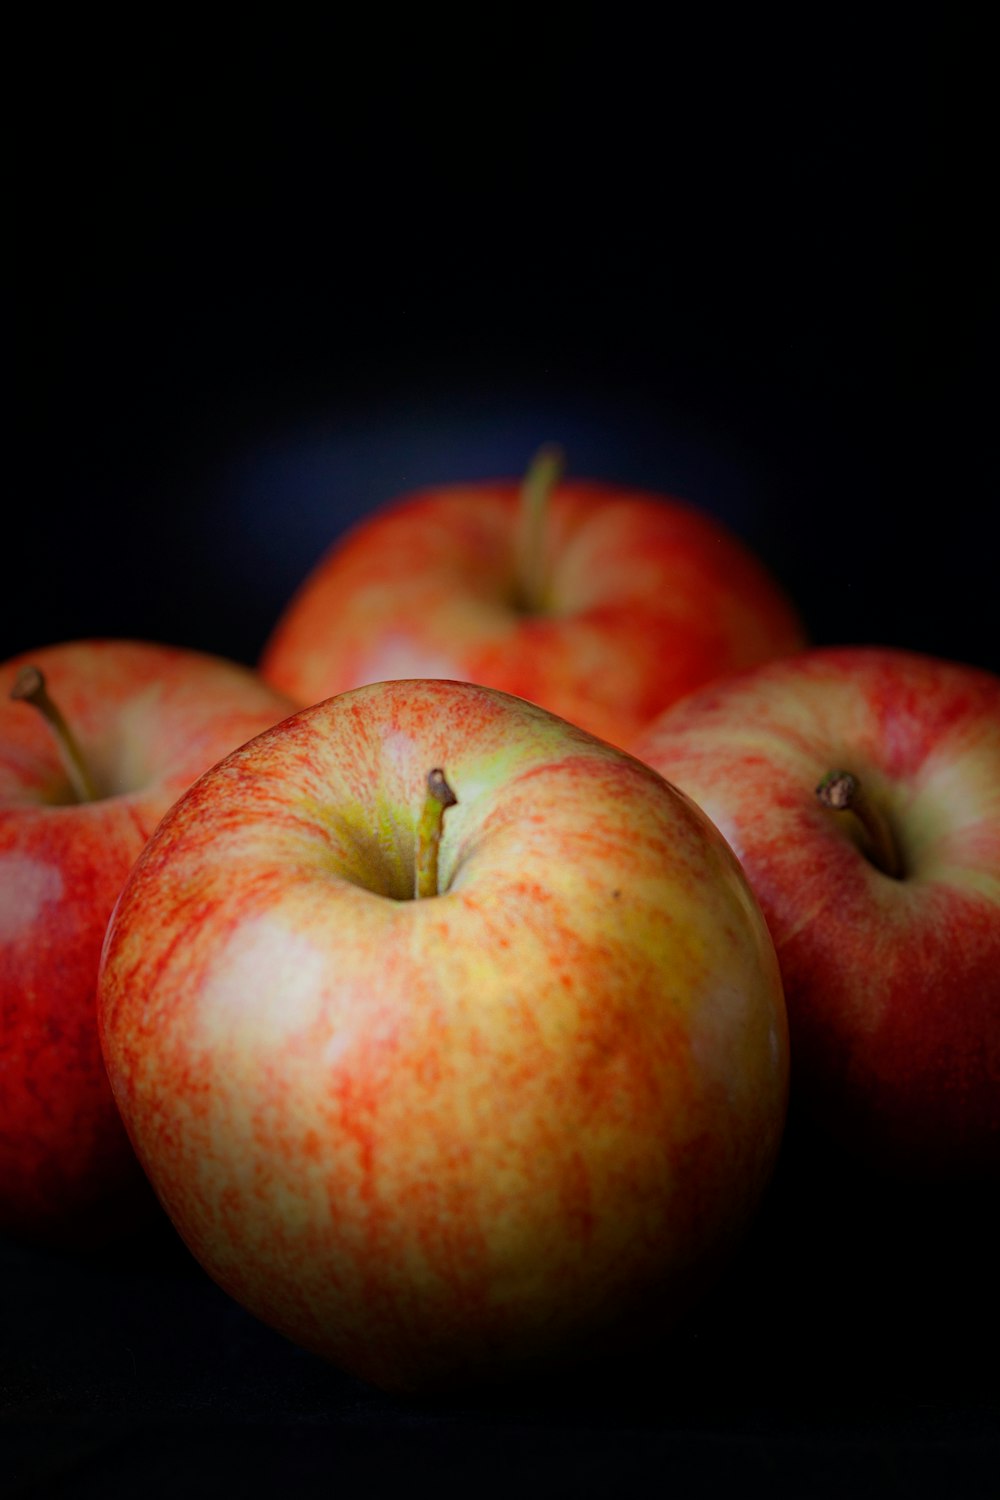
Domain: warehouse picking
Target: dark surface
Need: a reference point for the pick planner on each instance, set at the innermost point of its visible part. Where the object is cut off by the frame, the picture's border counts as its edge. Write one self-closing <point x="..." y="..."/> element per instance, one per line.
<point x="850" y="1349"/>
<point x="266" y="281"/>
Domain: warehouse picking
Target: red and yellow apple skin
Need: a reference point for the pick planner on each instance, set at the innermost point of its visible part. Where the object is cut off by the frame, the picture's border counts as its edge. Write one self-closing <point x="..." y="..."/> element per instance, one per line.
<point x="149" y="719"/>
<point x="644" y="599"/>
<point x="441" y="1139"/>
<point x="892" y="984"/>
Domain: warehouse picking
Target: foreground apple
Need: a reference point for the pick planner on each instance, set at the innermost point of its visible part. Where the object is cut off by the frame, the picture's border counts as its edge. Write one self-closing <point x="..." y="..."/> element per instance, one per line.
<point x="131" y="726"/>
<point x="881" y="888"/>
<point x="439" y="1138"/>
<point x="602" y="604"/>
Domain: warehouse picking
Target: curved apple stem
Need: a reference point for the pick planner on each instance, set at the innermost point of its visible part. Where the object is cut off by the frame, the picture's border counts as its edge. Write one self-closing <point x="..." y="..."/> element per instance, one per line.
<point x="439" y="798"/>
<point x="843" y="792"/>
<point x="30" y="687"/>
<point x="543" y="474"/>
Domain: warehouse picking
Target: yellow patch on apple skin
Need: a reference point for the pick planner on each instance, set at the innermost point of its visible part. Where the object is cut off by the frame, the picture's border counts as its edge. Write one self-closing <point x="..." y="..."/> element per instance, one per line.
<point x="26" y="886"/>
<point x="265" y="971"/>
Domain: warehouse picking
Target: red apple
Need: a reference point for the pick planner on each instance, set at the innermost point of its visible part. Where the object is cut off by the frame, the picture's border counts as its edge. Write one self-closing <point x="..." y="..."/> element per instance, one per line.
<point x="599" y="603"/>
<point x="147" y="720"/>
<point x="438" y="1139"/>
<point x="885" y="916"/>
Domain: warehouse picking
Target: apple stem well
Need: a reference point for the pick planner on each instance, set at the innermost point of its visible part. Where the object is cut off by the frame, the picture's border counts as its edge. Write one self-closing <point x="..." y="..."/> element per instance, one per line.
<point x="842" y="792"/>
<point x="543" y="474"/>
<point x="30" y="687"/>
<point x="438" y="799"/>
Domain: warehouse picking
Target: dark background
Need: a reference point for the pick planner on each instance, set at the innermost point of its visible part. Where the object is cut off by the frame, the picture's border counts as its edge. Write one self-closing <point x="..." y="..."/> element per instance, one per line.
<point x="269" y="277"/>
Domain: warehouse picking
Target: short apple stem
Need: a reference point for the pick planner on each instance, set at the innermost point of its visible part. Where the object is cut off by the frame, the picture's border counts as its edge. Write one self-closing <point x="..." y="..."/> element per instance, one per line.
<point x="843" y="792"/>
<point x="543" y="474"/>
<point x="30" y="686"/>
<point x="439" y="798"/>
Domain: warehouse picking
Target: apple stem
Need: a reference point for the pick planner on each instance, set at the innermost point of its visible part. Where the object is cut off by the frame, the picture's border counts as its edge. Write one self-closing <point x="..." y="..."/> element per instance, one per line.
<point x="439" y="797"/>
<point x="30" y="687"/>
<point x="543" y="474"/>
<point x="843" y="792"/>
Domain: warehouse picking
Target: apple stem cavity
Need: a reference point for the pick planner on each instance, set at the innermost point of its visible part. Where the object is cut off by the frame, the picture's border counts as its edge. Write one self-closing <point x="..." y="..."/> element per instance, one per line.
<point x="438" y="799"/>
<point x="842" y="792"/>
<point x="30" y="688"/>
<point x="543" y="474"/>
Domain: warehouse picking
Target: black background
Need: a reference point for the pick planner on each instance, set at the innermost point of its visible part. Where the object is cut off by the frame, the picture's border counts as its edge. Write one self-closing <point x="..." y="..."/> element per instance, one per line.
<point x="270" y="276"/>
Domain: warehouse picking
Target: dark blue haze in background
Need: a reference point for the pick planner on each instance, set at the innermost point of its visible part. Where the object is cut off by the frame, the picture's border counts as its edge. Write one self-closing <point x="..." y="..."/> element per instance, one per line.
<point x="271" y="277"/>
